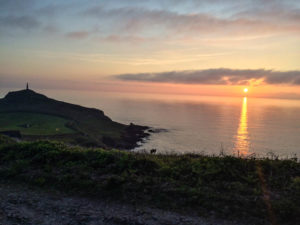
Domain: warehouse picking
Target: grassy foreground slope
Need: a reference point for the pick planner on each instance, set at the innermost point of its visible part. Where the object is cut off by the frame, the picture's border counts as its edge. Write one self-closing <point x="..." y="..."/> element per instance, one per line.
<point x="261" y="189"/>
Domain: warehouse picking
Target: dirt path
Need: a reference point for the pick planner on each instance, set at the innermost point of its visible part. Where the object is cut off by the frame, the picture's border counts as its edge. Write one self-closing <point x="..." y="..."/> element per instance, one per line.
<point x="21" y="205"/>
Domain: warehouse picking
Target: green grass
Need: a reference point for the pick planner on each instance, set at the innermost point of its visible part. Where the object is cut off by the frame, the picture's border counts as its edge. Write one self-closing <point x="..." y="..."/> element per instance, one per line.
<point x="230" y="187"/>
<point x="48" y="117"/>
<point x="6" y="140"/>
<point x="39" y="124"/>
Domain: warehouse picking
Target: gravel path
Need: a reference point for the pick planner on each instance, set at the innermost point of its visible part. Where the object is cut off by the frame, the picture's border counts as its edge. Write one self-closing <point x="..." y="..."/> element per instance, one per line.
<point x="21" y="205"/>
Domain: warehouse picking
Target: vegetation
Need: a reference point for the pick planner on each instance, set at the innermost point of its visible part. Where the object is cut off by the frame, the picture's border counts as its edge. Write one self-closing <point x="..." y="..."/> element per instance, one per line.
<point x="39" y="117"/>
<point x="232" y="187"/>
<point x="34" y="123"/>
<point x="6" y="140"/>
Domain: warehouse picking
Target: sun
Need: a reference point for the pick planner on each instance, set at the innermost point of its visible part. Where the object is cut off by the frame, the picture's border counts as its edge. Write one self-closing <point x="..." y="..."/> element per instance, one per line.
<point x="245" y="90"/>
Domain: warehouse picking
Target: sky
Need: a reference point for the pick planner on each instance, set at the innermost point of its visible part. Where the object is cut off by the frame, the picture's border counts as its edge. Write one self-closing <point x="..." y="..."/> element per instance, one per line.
<point x="214" y="47"/>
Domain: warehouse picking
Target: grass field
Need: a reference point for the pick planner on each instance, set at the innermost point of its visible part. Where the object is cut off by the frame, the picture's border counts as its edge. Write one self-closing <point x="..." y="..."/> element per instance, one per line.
<point x="34" y="123"/>
<point x="264" y="191"/>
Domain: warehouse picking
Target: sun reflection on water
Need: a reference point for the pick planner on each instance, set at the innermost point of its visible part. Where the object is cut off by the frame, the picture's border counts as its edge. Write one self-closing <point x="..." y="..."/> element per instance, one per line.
<point x="242" y="138"/>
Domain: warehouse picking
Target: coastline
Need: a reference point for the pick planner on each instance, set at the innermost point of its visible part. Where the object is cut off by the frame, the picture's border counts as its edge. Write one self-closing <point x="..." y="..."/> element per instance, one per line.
<point x="145" y="136"/>
<point x="87" y="127"/>
<point x="133" y="135"/>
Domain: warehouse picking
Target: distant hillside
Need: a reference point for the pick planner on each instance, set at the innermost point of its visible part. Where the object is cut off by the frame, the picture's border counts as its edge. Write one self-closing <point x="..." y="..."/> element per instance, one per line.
<point x="23" y="112"/>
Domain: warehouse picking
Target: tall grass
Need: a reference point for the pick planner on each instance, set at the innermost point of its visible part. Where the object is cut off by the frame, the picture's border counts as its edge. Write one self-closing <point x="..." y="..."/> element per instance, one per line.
<point x="229" y="186"/>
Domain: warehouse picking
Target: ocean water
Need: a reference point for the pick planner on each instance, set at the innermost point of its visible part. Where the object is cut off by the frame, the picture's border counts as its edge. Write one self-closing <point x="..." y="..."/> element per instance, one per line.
<point x="201" y="124"/>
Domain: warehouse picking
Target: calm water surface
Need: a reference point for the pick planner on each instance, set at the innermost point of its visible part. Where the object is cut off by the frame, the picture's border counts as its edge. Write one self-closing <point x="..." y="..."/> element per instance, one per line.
<point x="201" y="124"/>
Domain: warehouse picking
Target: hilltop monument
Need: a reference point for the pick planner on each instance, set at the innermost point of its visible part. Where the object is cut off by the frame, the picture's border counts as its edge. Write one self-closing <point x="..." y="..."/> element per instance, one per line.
<point x="27" y="86"/>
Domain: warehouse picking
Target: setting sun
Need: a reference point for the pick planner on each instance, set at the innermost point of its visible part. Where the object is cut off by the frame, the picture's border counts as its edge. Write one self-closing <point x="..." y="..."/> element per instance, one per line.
<point x="245" y="90"/>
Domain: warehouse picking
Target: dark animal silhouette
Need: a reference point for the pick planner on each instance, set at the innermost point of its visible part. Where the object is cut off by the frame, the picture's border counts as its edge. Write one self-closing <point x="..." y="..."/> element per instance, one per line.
<point x="153" y="151"/>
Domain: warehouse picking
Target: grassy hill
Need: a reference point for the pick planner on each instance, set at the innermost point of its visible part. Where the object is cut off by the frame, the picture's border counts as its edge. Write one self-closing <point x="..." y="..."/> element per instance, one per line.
<point x="34" y="123"/>
<point x="262" y="191"/>
<point x="36" y="116"/>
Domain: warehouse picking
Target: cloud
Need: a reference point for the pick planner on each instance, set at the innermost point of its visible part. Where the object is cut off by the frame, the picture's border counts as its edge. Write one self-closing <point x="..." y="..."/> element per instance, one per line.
<point x="16" y="6"/>
<point x="120" y="20"/>
<point x="220" y="76"/>
<point x="133" y="39"/>
<point x="171" y="24"/>
<point x="23" y="22"/>
<point x="78" y="34"/>
<point x="51" y="29"/>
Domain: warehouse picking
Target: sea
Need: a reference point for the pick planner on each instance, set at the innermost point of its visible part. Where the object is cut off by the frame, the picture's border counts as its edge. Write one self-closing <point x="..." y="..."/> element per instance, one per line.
<point x="241" y="126"/>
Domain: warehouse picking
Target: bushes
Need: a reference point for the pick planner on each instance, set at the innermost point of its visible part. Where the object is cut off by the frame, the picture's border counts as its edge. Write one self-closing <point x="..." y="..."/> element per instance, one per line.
<point x="185" y="182"/>
<point x="6" y="140"/>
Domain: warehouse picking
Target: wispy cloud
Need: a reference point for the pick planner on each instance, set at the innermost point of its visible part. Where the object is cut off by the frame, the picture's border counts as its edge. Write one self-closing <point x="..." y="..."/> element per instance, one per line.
<point x="119" y="21"/>
<point x="23" y="22"/>
<point x="78" y="34"/>
<point x="220" y="76"/>
<point x="132" y="20"/>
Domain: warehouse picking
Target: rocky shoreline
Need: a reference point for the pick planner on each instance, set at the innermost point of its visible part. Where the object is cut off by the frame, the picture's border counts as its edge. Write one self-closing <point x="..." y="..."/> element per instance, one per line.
<point x="142" y="134"/>
<point x="134" y="134"/>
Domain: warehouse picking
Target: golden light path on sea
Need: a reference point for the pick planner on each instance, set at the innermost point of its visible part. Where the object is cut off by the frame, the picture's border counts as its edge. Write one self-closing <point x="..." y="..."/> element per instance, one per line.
<point x="242" y="138"/>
